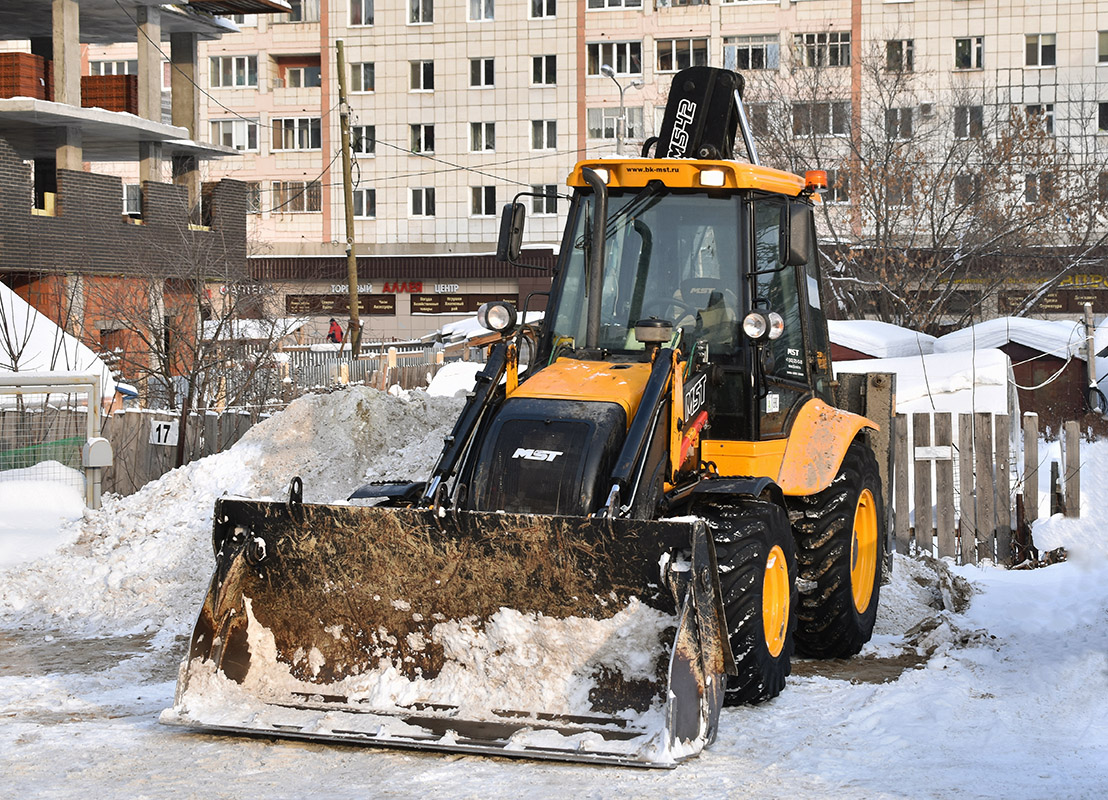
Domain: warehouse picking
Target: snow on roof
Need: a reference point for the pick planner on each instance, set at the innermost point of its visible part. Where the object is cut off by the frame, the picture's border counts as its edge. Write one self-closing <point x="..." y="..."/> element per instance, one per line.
<point x="31" y="342"/>
<point x="966" y="382"/>
<point x="879" y="339"/>
<point x="1060" y="338"/>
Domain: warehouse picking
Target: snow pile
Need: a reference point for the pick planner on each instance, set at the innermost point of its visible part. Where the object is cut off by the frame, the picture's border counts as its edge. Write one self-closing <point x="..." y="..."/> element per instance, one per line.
<point x="37" y="502"/>
<point x="978" y="380"/>
<point x="142" y="562"/>
<point x="879" y="339"/>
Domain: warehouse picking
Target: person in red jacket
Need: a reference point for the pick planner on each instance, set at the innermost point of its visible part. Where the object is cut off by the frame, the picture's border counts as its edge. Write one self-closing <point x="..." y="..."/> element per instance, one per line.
<point x="334" y="334"/>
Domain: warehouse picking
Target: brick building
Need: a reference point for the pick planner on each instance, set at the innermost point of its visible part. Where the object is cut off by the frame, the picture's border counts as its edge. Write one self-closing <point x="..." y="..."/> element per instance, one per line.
<point x="120" y="268"/>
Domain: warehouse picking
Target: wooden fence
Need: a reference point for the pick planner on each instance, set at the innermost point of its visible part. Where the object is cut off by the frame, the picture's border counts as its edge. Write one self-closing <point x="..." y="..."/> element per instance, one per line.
<point x="968" y="501"/>
<point x="956" y="492"/>
<point x="144" y="443"/>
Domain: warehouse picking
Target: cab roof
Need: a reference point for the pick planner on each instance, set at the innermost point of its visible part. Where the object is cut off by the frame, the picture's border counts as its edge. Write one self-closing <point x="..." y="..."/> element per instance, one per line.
<point x="686" y="173"/>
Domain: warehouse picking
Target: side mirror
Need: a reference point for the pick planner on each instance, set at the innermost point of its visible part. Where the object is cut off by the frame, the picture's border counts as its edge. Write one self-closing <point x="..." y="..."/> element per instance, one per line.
<point x="796" y="234"/>
<point x="510" y="243"/>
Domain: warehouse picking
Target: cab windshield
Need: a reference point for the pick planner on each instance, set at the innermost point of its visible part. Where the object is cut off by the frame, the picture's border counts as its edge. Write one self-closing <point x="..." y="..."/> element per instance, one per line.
<point x="669" y="255"/>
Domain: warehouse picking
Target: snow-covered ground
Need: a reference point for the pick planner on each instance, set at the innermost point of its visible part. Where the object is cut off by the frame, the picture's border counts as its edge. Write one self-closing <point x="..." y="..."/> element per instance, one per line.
<point x="1006" y="697"/>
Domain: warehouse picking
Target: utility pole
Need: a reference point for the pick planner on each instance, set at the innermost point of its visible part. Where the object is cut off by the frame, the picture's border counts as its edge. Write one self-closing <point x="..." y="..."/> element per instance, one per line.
<point x="354" y="327"/>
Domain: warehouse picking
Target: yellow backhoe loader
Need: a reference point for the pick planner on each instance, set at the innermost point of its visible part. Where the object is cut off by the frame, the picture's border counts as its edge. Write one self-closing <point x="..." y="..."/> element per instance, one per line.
<point x="610" y="545"/>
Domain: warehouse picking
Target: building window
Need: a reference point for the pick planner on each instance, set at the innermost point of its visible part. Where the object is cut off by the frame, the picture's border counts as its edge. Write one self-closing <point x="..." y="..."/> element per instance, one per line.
<point x="481" y="72"/>
<point x="969" y="122"/>
<point x="838" y="187"/>
<point x="967" y="189"/>
<point x="603" y="123"/>
<point x="361" y="12"/>
<point x="253" y="197"/>
<point x="480" y="10"/>
<point x="423" y="138"/>
<point x="544" y="70"/>
<point x="599" y="4"/>
<point x="1041" y="49"/>
<point x="296" y="133"/>
<point x="899" y="191"/>
<point x="363" y="140"/>
<point x="826" y="49"/>
<point x="543" y="8"/>
<point x="545" y="199"/>
<point x="296" y="196"/>
<point x="423" y="76"/>
<point x="241" y="134"/>
<point x="624" y="57"/>
<point x="1042" y="114"/>
<point x="751" y="52"/>
<point x="365" y="203"/>
<point x="1102" y="187"/>
<point x="132" y="199"/>
<point x="226" y="72"/>
<point x="757" y="114"/>
<point x="678" y="54"/>
<point x="304" y="11"/>
<point x="363" y="77"/>
<point x="544" y="134"/>
<point x="1038" y="186"/>
<point x="484" y="201"/>
<point x="821" y="119"/>
<point x="302" y="77"/>
<point x="898" y="123"/>
<point x="421" y="12"/>
<point x="1102" y="47"/>
<point x="1102" y="117"/>
<point x="482" y="136"/>
<point x="969" y="52"/>
<point x="423" y="202"/>
<point x="899" y="55"/>
<point x="244" y="20"/>
<point x="113" y="67"/>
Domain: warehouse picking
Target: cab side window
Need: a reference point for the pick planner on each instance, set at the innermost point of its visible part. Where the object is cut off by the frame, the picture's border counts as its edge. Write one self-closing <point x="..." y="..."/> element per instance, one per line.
<point x="784" y="360"/>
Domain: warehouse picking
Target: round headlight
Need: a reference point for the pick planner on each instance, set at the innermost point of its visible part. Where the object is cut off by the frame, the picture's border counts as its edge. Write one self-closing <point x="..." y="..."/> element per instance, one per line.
<point x="497" y="316"/>
<point x="756" y="325"/>
<point x="776" y="325"/>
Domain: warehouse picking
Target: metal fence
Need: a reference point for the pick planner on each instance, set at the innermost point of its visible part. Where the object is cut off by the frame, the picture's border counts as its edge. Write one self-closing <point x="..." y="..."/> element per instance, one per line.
<point x="46" y="421"/>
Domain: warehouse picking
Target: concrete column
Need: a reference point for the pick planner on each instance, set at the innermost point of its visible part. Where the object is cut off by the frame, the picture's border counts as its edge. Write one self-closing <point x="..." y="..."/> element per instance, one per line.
<point x="149" y="63"/>
<point x="150" y="87"/>
<point x="68" y="152"/>
<point x="186" y="109"/>
<point x="67" y="52"/>
<point x="183" y="80"/>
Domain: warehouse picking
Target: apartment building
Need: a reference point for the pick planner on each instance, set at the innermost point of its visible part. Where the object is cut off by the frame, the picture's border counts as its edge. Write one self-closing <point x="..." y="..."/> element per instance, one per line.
<point x="457" y="107"/>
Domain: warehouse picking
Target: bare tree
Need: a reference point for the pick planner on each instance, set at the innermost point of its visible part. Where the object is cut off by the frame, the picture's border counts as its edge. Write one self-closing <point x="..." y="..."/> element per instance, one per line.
<point x="191" y="328"/>
<point x="932" y="207"/>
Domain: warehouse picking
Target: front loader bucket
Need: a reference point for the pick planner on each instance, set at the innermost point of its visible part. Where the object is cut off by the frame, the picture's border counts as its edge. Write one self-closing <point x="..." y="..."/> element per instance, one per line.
<point x="540" y="636"/>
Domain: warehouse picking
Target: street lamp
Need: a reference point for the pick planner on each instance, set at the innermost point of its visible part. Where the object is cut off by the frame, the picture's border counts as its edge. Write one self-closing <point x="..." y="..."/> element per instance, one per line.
<point x="606" y="69"/>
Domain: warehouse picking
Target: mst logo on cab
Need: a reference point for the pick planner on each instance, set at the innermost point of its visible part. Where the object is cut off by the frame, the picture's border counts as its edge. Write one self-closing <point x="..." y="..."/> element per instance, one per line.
<point x="536" y="455"/>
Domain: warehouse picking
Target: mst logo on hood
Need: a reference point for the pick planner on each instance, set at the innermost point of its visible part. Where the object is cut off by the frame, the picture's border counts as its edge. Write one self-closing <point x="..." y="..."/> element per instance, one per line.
<point x="536" y="455"/>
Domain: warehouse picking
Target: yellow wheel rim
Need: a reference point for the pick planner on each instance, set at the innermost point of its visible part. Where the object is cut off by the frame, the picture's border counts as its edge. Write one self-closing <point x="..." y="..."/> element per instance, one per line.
<point x="775" y="601"/>
<point x="863" y="551"/>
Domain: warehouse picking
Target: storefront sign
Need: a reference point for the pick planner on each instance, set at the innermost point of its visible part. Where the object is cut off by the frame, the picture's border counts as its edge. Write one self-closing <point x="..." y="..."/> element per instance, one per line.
<point x="342" y="288"/>
<point x="403" y="287"/>
<point x="1070" y="301"/>
<point x="338" y="305"/>
<point x="454" y="303"/>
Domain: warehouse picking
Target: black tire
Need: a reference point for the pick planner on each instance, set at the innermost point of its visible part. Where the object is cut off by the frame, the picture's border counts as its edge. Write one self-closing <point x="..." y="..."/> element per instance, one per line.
<point x="838" y="606"/>
<point x="746" y="533"/>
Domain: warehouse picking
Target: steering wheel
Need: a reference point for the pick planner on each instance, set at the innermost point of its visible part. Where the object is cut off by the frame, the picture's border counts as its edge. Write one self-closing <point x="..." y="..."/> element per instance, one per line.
<point x="665" y="304"/>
